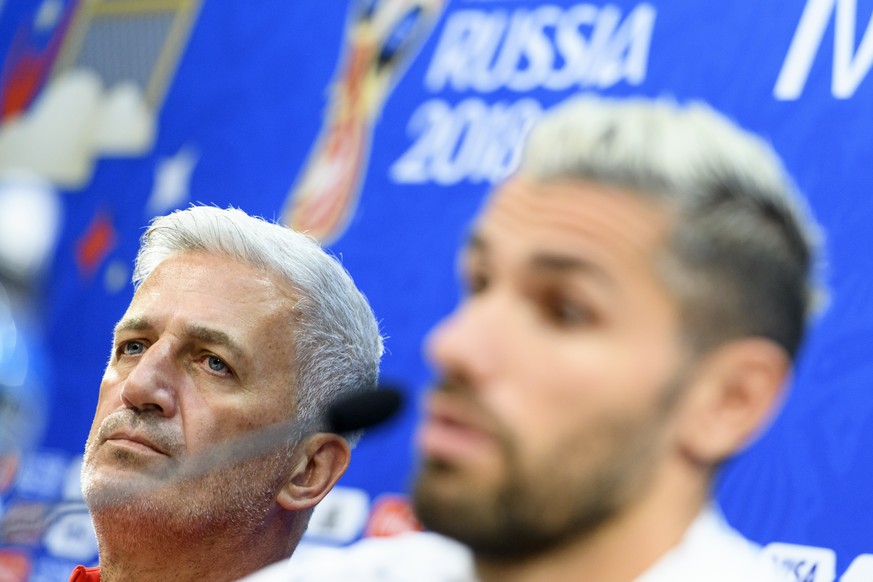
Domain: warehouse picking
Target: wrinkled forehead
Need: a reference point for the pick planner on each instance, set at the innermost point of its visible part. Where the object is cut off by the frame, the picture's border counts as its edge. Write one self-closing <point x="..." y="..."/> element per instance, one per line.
<point x="215" y="286"/>
<point x="570" y="215"/>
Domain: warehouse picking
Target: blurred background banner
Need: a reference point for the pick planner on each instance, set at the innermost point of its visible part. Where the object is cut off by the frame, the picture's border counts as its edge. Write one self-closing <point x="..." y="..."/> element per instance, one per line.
<point x="379" y="126"/>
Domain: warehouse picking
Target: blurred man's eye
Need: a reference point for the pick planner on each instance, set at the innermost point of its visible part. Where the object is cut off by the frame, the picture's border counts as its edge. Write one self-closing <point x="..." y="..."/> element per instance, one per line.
<point x="475" y="282"/>
<point x="567" y="312"/>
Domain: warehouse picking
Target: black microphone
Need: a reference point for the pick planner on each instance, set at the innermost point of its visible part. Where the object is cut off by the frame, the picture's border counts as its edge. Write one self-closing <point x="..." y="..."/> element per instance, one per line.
<point x="363" y="410"/>
<point x="345" y="415"/>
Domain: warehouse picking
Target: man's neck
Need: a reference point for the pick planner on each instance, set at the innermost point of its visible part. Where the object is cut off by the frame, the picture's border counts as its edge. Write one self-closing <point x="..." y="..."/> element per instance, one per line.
<point x="619" y="550"/>
<point x="148" y="552"/>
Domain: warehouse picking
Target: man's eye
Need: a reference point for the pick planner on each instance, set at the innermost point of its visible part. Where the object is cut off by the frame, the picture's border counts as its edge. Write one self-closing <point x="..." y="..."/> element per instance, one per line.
<point x="217" y="365"/>
<point x="568" y="313"/>
<point x="475" y="283"/>
<point x="132" y="348"/>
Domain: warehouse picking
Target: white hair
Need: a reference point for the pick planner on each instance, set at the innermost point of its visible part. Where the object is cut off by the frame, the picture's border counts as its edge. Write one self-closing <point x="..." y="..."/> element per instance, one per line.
<point x="336" y="337"/>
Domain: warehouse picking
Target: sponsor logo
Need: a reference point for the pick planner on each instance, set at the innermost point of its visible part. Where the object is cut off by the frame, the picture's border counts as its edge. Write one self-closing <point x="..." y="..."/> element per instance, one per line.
<point x="14" y="566"/>
<point x="340" y="517"/>
<point x="806" y="563"/>
<point x="70" y="533"/>
<point x="23" y="524"/>
<point x="815" y="564"/>
<point x="391" y="515"/>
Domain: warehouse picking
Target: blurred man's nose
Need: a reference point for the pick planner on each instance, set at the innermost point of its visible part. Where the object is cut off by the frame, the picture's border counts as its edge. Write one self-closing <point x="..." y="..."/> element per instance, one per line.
<point x="471" y="343"/>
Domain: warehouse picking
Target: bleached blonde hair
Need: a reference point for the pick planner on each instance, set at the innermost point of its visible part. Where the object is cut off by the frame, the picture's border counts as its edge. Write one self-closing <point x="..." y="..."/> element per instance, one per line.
<point x="744" y="242"/>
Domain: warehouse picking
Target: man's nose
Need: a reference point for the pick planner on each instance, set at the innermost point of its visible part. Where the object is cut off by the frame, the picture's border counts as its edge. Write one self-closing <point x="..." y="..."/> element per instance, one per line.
<point x="153" y="381"/>
<point x="470" y="343"/>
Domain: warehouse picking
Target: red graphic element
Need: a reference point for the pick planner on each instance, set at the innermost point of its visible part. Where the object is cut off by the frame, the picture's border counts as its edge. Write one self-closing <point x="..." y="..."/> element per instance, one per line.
<point x="14" y="567"/>
<point x="95" y="244"/>
<point x="380" y="41"/>
<point x="27" y="64"/>
<point x="391" y="515"/>
<point x="8" y="470"/>
<point x="328" y="194"/>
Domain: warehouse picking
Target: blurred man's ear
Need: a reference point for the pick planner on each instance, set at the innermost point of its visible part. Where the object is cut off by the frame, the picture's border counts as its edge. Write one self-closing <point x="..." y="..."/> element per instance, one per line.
<point x="735" y="392"/>
<point x="319" y="462"/>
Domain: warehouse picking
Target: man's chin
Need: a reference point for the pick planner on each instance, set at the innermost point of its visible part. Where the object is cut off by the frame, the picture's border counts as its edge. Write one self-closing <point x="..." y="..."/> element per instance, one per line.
<point x="104" y="487"/>
<point x="446" y="497"/>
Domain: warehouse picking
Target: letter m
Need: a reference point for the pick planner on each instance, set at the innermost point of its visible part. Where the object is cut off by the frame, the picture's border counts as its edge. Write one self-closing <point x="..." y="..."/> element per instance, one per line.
<point x="850" y="67"/>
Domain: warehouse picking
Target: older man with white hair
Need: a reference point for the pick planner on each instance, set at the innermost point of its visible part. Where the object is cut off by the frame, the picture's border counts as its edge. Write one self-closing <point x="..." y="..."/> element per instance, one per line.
<point x="238" y="327"/>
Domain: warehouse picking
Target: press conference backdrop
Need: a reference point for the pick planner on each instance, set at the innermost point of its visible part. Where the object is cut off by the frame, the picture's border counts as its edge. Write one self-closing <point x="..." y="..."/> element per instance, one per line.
<point x="379" y="126"/>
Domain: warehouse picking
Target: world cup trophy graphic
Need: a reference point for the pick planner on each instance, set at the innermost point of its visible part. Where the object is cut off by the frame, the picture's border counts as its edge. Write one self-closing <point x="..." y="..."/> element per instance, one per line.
<point x="381" y="38"/>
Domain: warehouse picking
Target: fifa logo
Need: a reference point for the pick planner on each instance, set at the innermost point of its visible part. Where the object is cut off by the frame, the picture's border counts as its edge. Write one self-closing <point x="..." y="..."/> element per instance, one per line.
<point x="381" y="38"/>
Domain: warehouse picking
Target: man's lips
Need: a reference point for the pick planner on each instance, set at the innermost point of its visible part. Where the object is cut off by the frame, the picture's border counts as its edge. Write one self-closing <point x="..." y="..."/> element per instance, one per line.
<point x="453" y="430"/>
<point x="135" y="441"/>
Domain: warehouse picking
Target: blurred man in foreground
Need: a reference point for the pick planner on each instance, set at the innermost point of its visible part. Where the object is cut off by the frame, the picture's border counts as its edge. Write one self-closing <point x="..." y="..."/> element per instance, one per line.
<point x="236" y="325"/>
<point x="636" y="294"/>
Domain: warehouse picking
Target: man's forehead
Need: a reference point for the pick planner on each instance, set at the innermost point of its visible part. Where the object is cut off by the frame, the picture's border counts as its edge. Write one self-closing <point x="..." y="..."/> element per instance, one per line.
<point x="182" y="271"/>
<point x="207" y="291"/>
<point x="572" y="215"/>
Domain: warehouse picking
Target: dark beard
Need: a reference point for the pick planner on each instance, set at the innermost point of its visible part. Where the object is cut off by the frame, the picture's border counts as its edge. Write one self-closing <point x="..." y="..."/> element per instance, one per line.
<point x="585" y="482"/>
<point x="520" y="518"/>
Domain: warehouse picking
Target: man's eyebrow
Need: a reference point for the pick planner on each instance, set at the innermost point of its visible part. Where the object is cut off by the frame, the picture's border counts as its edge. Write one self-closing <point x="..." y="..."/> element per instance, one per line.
<point x="545" y="261"/>
<point x="199" y="332"/>
<point x="132" y="324"/>
<point x="558" y="263"/>
<point x="213" y="336"/>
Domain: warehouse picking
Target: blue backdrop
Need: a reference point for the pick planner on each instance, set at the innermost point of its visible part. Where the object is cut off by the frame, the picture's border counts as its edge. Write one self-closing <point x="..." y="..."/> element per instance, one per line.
<point x="380" y="126"/>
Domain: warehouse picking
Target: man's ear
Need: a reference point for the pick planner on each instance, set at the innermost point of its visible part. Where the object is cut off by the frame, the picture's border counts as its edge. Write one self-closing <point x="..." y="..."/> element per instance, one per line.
<point x="735" y="391"/>
<point x="321" y="460"/>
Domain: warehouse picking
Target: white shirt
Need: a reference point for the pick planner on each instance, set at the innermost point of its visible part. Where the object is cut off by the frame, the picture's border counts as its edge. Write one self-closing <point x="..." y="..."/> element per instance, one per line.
<point x="710" y="551"/>
<point x="409" y="557"/>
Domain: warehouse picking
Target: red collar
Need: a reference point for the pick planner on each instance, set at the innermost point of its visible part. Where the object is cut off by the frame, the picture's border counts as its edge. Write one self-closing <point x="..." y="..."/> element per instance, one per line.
<point x="83" y="574"/>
